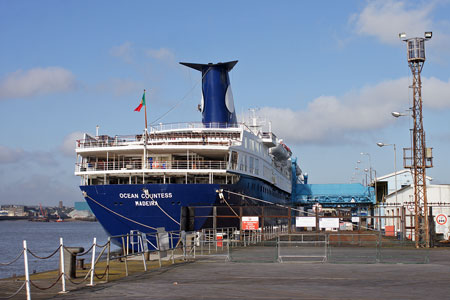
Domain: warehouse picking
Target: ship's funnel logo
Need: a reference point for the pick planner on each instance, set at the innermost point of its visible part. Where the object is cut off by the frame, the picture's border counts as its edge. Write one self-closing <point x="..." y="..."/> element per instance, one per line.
<point x="217" y="105"/>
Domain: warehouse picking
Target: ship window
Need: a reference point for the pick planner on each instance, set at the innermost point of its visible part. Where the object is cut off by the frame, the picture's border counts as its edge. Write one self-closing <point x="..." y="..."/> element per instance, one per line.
<point x="234" y="160"/>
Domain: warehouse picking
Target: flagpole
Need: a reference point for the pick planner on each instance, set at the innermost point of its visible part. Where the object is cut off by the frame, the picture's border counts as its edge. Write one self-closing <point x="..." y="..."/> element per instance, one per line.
<point x="145" y="111"/>
<point x="144" y="165"/>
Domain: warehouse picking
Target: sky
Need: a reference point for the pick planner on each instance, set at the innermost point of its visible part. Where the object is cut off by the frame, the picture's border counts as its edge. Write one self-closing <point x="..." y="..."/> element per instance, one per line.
<point x="327" y="74"/>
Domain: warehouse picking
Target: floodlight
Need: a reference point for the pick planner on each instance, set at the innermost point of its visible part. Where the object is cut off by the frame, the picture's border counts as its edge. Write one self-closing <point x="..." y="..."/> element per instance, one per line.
<point x="428" y="34"/>
<point x="396" y="114"/>
<point x="380" y="144"/>
<point x="402" y="35"/>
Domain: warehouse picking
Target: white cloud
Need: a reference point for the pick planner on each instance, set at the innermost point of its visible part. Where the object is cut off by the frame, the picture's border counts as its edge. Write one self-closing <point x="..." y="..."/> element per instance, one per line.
<point x="12" y="156"/>
<point x="336" y="120"/>
<point x="124" y="51"/>
<point x="162" y="54"/>
<point x="9" y="155"/>
<point x="435" y="93"/>
<point x="33" y="189"/>
<point x="69" y="142"/>
<point x="38" y="81"/>
<point x="386" y="19"/>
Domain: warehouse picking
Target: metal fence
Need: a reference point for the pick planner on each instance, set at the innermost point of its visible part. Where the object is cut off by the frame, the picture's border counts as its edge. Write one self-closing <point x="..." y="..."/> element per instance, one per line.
<point x="270" y="244"/>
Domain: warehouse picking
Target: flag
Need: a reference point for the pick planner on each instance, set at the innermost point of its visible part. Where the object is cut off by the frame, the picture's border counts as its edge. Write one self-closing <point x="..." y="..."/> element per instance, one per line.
<point x="141" y="104"/>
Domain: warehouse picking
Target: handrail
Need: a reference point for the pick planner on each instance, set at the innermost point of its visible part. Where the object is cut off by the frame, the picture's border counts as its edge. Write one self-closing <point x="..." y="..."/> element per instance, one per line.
<point x="226" y="141"/>
<point x="152" y="165"/>
<point x="194" y="125"/>
<point x="177" y="133"/>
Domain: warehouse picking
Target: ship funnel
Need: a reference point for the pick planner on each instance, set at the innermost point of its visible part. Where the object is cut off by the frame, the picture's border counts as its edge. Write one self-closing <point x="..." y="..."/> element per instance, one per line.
<point x="217" y="105"/>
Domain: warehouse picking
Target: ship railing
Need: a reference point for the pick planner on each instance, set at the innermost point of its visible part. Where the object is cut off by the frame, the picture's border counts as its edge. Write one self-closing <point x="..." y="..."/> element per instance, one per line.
<point x="162" y="140"/>
<point x="152" y="165"/>
<point x="107" y="141"/>
<point x="192" y="125"/>
<point x="173" y="134"/>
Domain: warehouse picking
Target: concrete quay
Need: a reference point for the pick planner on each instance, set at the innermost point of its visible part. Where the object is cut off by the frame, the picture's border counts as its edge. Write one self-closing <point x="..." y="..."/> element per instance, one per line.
<point x="205" y="279"/>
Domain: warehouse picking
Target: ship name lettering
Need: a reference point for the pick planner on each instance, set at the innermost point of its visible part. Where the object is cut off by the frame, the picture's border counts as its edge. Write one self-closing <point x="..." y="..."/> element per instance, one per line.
<point x="146" y="203"/>
<point x="129" y="195"/>
<point x="156" y="196"/>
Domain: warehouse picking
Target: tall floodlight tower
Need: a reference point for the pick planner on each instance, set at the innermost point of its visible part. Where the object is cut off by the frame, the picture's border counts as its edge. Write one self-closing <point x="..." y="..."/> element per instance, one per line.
<point x="418" y="157"/>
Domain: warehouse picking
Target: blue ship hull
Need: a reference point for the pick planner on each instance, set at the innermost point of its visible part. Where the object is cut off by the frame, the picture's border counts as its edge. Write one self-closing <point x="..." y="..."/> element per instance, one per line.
<point x="121" y="208"/>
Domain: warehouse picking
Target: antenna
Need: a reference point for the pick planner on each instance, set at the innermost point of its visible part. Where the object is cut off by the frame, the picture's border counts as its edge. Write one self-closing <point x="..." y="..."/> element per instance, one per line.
<point x="418" y="158"/>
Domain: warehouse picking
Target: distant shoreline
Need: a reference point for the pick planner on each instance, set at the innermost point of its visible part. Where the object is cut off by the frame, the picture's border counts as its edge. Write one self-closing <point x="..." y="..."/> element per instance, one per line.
<point x="6" y="218"/>
<point x="15" y="218"/>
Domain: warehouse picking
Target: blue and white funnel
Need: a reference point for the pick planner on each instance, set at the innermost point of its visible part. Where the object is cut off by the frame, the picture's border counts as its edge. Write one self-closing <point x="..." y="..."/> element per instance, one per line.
<point x="217" y="99"/>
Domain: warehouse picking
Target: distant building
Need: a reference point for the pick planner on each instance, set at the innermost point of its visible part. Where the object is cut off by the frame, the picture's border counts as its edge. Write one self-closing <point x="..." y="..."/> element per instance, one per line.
<point x="438" y="198"/>
<point x="82" y="205"/>
<point x="386" y="183"/>
<point x="82" y="211"/>
<point x="15" y="210"/>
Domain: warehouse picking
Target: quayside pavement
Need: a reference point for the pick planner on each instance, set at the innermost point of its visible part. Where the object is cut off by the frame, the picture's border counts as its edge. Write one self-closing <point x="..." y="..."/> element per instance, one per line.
<point x="204" y="279"/>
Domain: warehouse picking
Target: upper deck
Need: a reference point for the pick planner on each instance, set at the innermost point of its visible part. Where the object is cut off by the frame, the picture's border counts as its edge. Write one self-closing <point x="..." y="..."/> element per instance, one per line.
<point x="175" y="134"/>
<point x="180" y="150"/>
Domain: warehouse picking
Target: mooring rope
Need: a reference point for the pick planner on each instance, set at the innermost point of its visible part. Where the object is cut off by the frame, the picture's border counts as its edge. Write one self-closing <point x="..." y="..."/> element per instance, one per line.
<point x="157" y="204"/>
<point x="117" y="214"/>
<point x="295" y="209"/>
<point x="260" y="200"/>
<point x="230" y="207"/>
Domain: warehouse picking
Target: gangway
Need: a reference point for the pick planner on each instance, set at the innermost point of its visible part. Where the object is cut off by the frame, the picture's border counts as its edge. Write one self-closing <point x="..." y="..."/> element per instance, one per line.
<point x="329" y="195"/>
<point x="333" y="195"/>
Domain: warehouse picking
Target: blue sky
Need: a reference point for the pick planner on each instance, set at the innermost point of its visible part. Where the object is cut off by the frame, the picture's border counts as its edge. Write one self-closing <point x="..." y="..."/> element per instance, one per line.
<point x="328" y="74"/>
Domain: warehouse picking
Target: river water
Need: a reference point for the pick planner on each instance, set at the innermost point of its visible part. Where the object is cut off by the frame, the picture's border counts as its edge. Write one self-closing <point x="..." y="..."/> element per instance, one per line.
<point x="42" y="239"/>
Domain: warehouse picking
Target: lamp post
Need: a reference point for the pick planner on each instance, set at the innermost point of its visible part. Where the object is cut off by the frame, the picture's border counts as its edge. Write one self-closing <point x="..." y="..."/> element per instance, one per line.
<point x="370" y="165"/>
<point x="421" y="156"/>
<point x="395" y="167"/>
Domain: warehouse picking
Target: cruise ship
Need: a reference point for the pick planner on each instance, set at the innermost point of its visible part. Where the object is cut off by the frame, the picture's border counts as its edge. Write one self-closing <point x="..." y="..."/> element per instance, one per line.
<point x="178" y="175"/>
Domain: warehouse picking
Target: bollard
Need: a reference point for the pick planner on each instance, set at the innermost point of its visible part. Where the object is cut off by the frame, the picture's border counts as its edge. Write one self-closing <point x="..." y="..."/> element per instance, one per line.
<point x="70" y="260"/>
<point x="80" y="264"/>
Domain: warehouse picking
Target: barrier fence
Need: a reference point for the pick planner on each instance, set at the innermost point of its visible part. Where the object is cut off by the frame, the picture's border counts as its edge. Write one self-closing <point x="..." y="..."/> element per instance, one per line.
<point x="269" y="244"/>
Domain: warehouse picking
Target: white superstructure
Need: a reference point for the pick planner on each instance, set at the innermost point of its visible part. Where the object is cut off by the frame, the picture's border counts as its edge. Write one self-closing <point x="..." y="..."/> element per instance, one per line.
<point x="185" y="153"/>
